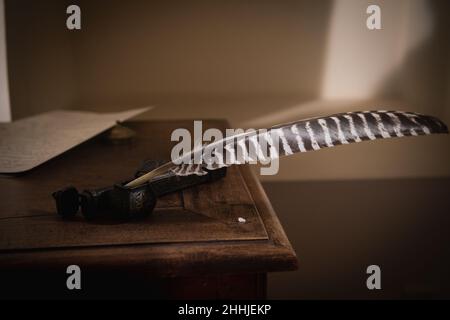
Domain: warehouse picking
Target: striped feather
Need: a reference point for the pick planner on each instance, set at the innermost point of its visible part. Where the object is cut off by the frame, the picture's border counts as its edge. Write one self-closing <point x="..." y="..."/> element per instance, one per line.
<point x="325" y="132"/>
<point x="303" y="136"/>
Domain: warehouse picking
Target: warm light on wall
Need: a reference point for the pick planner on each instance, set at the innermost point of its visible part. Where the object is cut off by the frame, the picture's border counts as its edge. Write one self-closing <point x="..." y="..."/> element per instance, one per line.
<point x="361" y="66"/>
<point x="359" y="62"/>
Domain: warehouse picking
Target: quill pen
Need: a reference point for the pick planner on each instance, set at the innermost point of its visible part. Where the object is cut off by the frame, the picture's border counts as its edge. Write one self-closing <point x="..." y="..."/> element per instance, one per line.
<point x="300" y="136"/>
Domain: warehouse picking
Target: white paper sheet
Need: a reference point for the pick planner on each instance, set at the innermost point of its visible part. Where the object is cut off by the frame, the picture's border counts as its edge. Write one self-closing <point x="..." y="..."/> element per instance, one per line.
<point x="29" y="142"/>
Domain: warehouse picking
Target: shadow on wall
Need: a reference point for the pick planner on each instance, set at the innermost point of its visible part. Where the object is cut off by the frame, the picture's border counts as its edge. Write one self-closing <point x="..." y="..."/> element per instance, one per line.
<point x="160" y="52"/>
<point x="414" y="81"/>
<point x="402" y="66"/>
<point x="422" y="77"/>
<point x="176" y="50"/>
<point x="288" y="56"/>
<point x="40" y="57"/>
<point x="230" y="55"/>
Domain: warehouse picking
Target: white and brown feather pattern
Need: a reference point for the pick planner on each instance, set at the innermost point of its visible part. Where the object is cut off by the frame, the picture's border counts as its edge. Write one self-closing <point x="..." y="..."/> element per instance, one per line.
<point x="352" y="127"/>
<point x="323" y="132"/>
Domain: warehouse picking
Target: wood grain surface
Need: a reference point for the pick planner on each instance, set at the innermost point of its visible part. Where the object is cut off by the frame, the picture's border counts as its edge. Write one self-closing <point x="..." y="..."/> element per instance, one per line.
<point x="193" y="230"/>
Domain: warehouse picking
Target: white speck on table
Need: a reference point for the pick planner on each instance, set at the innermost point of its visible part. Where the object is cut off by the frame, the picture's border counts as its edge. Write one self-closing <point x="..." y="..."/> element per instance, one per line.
<point x="242" y="220"/>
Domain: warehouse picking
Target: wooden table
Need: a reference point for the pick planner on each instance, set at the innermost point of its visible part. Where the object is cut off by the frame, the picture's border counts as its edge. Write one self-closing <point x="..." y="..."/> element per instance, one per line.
<point x="192" y="246"/>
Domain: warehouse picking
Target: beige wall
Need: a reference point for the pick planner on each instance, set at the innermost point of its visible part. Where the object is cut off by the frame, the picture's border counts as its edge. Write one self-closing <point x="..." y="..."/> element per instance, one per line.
<point x="254" y="62"/>
<point x="40" y="57"/>
<point x="134" y="53"/>
<point x="5" y="111"/>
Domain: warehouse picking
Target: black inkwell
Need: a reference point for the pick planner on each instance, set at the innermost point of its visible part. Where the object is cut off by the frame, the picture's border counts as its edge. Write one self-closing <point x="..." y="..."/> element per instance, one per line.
<point x="122" y="202"/>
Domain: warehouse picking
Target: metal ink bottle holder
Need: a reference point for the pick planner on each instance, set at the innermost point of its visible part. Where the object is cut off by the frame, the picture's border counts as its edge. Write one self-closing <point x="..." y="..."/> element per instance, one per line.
<point x="120" y="202"/>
